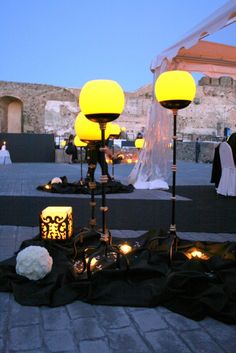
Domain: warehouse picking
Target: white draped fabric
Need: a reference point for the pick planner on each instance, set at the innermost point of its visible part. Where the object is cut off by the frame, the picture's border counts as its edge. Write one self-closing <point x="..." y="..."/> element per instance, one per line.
<point x="190" y="54"/>
<point x="227" y="184"/>
<point x="153" y="167"/>
<point x="5" y="157"/>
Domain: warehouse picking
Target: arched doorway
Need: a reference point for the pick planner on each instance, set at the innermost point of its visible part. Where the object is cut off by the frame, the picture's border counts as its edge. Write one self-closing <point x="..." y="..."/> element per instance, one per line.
<point x="11" y="114"/>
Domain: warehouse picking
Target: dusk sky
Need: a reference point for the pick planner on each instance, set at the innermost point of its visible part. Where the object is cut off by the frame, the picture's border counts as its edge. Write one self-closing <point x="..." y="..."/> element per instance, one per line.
<point x="68" y="42"/>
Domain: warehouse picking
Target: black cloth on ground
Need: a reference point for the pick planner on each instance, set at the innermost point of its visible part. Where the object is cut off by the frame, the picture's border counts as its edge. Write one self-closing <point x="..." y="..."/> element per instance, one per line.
<point x="111" y="187"/>
<point x="194" y="288"/>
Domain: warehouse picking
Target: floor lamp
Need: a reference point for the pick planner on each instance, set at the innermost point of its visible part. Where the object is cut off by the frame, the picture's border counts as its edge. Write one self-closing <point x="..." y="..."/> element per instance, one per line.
<point x="89" y="133"/>
<point x="80" y="144"/>
<point x="139" y="143"/>
<point x="102" y="101"/>
<point x="114" y="134"/>
<point x="174" y="90"/>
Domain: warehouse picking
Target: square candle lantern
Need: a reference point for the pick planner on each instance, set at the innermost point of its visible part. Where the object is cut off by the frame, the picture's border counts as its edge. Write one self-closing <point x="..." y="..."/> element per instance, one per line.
<point x="56" y="223"/>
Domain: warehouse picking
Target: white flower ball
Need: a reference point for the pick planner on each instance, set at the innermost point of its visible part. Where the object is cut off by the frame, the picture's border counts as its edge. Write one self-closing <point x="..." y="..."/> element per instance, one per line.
<point x="56" y="180"/>
<point x="33" y="262"/>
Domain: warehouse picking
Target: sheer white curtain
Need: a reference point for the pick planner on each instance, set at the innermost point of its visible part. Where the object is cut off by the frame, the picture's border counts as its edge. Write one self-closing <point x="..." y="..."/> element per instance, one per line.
<point x="153" y="167"/>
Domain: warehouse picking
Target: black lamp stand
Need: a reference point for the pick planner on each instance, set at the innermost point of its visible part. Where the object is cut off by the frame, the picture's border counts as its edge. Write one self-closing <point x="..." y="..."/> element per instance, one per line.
<point x="172" y="231"/>
<point x="106" y="237"/>
<point x="81" y="166"/>
<point x="92" y="184"/>
<point x="113" y="164"/>
<point x="105" y="250"/>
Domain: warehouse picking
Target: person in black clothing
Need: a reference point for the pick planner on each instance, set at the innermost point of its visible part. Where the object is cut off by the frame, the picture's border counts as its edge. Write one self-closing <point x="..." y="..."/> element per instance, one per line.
<point x="71" y="149"/>
<point x="216" y="167"/>
<point x="197" y="150"/>
<point x="139" y="135"/>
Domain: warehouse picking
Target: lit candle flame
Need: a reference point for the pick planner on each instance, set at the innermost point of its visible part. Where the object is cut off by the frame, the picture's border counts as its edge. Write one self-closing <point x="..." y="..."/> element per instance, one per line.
<point x="125" y="248"/>
<point x="47" y="187"/>
<point x="197" y="254"/>
<point x="92" y="262"/>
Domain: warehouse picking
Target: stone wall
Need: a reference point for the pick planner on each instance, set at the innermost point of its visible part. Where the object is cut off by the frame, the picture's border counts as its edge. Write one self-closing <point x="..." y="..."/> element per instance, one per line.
<point x="34" y="99"/>
<point x="137" y="105"/>
<point x="213" y="109"/>
<point x="186" y="151"/>
<point x="53" y="109"/>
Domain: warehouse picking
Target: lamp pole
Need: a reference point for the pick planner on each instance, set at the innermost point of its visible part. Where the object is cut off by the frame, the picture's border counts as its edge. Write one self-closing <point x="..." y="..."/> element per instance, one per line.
<point x="81" y="165"/>
<point x="174" y="90"/>
<point x="103" y="179"/>
<point x="113" y="164"/>
<point x="92" y="184"/>
<point x="173" y="198"/>
<point x="115" y="133"/>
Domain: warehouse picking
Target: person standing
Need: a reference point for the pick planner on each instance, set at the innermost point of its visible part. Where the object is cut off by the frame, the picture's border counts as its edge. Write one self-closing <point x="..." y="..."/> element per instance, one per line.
<point x="71" y="150"/>
<point x="197" y="150"/>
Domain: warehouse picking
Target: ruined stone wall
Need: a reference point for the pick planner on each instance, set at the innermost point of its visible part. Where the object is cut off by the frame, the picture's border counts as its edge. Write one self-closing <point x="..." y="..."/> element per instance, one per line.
<point x="134" y="116"/>
<point x="213" y="109"/>
<point x="53" y="109"/>
<point x="186" y="151"/>
<point x="34" y="98"/>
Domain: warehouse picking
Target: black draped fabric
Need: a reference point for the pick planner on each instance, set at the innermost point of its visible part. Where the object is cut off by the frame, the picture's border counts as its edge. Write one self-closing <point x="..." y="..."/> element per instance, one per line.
<point x="216" y="167"/>
<point x="111" y="187"/>
<point x="194" y="288"/>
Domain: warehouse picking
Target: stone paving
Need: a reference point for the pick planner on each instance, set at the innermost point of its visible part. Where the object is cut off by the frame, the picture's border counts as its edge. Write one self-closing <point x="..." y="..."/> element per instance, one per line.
<point x="23" y="178"/>
<point x="83" y="328"/>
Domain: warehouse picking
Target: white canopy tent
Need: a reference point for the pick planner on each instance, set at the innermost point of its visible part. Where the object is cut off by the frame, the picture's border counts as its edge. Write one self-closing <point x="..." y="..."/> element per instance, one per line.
<point x="192" y="54"/>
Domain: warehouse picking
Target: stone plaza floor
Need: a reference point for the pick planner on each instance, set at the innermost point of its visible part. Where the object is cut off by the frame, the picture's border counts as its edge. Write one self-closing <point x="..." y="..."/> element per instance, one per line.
<point x="83" y="328"/>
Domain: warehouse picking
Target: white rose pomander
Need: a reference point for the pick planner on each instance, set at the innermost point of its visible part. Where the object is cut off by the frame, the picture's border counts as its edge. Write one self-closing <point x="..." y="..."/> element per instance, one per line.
<point x="34" y="262"/>
<point x="56" y="180"/>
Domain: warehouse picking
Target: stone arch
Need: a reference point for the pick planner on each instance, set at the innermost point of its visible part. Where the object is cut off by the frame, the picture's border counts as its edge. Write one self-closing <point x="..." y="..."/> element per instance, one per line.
<point x="11" y="109"/>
